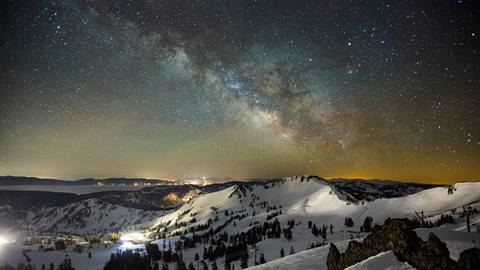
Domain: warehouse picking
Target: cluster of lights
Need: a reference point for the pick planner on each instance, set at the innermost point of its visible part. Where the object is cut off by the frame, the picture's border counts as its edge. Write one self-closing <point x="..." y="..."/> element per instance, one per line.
<point x="135" y="237"/>
<point x="131" y="241"/>
<point x="4" y="240"/>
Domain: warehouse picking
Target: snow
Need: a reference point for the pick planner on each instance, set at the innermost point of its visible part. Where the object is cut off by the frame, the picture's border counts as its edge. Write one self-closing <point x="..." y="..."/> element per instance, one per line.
<point x="312" y="259"/>
<point x="12" y="253"/>
<point x="315" y="259"/>
<point x="319" y="202"/>
<point x="382" y="261"/>
<point x="311" y="200"/>
<point x="300" y="198"/>
<point x="457" y="241"/>
<point x="90" y="216"/>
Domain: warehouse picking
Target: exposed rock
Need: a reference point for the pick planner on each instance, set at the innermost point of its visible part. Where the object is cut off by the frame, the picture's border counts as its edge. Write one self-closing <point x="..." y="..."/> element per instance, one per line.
<point x="334" y="258"/>
<point x="399" y="236"/>
<point x="432" y="254"/>
<point x="469" y="259"/>
<point x="357" y="252"/>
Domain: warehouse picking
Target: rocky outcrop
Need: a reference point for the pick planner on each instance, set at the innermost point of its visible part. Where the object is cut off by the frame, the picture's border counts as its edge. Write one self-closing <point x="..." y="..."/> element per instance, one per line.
<point x="334" y="258"/>
<point x="469" y="259"/>
<point x="399" y="236"/>
<point x="432" y="254"/>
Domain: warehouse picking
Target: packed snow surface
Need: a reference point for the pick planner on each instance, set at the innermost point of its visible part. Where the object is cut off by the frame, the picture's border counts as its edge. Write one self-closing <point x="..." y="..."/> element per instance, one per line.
<point x="382" y="261"/>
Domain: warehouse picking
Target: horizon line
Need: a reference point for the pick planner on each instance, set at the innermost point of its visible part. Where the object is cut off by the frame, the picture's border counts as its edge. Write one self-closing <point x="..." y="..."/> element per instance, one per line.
<point x="232" y="179"/>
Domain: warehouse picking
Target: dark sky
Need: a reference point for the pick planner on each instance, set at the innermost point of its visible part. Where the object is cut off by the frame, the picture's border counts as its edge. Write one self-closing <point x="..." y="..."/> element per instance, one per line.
<point x="242" y="89"/>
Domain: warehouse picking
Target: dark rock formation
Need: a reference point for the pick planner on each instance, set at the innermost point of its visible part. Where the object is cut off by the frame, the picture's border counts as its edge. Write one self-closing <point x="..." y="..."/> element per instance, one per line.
<point x="432" y="254"/>
<point x="399" y="236"/>
<point x="334" y="258"/>
<point x="469" y="259"/>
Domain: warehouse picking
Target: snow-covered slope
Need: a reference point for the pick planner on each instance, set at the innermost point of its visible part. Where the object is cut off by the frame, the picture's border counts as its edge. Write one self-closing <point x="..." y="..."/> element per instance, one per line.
<point x="88" y="217"/>
<point x="382" y="261"/>
<point x="369" y="190"/>
<point x="294" y="196"/>
<point x="311" y="198"/>
<point x="302" y="199"/>
<point x="457" y="241"/>
<point x="311" y="259"/>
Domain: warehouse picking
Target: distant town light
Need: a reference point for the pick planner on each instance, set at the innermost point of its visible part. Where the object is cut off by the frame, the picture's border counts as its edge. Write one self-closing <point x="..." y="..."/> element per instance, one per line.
<point x="4" y="240"/>
<point x="135" y="237"/>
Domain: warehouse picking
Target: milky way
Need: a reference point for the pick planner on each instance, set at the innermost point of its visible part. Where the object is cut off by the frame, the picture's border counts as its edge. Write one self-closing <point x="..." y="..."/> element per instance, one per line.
<point x="242" y="89"/>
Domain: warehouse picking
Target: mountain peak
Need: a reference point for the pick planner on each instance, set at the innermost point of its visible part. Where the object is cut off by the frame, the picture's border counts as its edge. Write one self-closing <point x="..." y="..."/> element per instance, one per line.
<point x="306" y="178"/>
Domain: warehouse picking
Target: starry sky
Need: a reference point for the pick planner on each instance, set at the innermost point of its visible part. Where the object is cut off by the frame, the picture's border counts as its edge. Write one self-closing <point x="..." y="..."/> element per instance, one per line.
<point x="243" y="89"/>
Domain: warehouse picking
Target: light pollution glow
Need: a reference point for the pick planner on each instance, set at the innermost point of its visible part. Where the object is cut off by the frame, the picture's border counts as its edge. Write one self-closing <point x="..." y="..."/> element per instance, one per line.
<point x="171" y="89"/>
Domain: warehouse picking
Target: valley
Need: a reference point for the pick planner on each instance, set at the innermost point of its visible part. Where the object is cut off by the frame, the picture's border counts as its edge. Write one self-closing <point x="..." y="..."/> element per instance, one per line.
<point x="297" y="217"/>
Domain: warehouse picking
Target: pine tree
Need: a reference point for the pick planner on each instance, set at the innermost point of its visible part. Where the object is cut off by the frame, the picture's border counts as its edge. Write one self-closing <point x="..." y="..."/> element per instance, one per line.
<point x="367" y="224"/>
<point x="153" y="251"/>
<point x="348" y="222"/>
<point x="205" y="253"/>
<point x="315" y="230"/>
<point x="181" y="265"/>
<point x="244" y="262"/>
<point x="226" y="264"/>
<point x="214" y="265"/>
<point x="262" y="259"/>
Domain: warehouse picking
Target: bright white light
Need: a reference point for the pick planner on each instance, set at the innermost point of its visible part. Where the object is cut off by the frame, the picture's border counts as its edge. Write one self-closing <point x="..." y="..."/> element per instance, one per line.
<point x="4" y="240"/>
<point x="126" y="245"/>
<point x="133" y="237"/>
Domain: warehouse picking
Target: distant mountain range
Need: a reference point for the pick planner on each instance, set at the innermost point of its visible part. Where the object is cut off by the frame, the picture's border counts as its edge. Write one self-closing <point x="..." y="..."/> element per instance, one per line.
<point x="276" y="216"/>
<point x="23" y="181"/>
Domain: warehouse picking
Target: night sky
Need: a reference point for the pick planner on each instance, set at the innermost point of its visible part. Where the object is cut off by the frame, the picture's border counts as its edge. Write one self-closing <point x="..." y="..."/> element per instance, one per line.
<point x="242" y="89"/>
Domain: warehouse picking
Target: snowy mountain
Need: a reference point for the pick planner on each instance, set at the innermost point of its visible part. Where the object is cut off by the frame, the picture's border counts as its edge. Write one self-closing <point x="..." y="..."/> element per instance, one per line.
<point x="41" y="211"/>
<point x="360" y="189"/>
<point x="91" y="216"/>
<point x="296" y="217"/>
<point x="313" y="198"/>
<point x="303" y="199"/>
<point x="314" y="259"/>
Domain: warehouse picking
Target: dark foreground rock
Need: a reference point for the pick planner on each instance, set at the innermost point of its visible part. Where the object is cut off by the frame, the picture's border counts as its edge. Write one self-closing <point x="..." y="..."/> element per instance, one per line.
<point x="469" y="259"/>
<point x="399" y="236"/>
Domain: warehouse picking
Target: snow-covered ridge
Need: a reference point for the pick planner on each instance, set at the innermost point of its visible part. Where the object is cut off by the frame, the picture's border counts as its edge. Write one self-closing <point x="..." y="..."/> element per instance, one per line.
<point x="291" y="197"/>
<point x="310" y="198"/>
<point x="238" y="208"/>
<point x="91" y="216"/>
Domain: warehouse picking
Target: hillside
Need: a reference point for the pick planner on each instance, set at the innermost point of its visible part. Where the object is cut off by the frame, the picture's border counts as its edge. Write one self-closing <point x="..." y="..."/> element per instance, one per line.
<point x="91" y="216"/>
<point x="23" y="180"/>
<point x="301" y="199"/>
<point x="285" y="216"/>
<point x="313" y="198"/>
